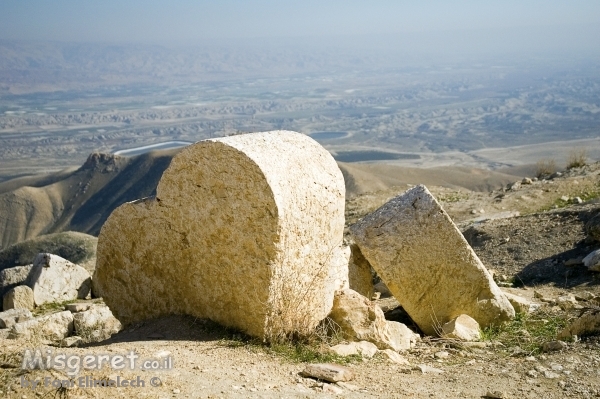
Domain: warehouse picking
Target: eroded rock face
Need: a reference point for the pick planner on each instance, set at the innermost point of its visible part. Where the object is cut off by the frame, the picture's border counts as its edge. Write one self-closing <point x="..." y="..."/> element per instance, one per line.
<point x="427" y="264"/>
<point x="359" y="273"/>
<point x="53" y="327"/>
<point x="54" y="279"/>
<point x="244" y="230"/>
<point x="20" y="297"/>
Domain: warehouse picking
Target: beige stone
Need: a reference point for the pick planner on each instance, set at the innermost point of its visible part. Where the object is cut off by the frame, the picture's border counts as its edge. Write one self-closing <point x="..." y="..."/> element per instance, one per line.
<point x="586" y="324"/>
<point x="53" y="327"/>
<point x="245" y="230"/>
<point x="363" y="348"/>
<point x="10" y="317"/>
<point x="395" y="357"/>
<point x="463" y="328"/>
<point x="359" y="319"/>
<point x="427" y="264"/>
<point x="20" y="297"/>
<point x="359" y="273"/>
<point x="95" y="324"/>
<point x="328" y="372"/>
<point x="55" y="279"/>
<point x="520" y="304"/>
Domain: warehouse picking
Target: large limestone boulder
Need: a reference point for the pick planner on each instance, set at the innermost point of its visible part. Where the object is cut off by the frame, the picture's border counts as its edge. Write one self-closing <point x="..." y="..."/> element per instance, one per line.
<point x="54" y="279"/>
<point x="13" y="277"/>
<point x="427" y="264"/>
<point x="359" y="319"/>
<point x="245" y="230"/>
<point x="50" y="328"/>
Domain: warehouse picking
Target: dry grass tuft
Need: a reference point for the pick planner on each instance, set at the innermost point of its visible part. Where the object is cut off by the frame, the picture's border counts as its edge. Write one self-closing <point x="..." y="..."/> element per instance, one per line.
<point x="577" y="158"/>
<point x="545" y="167"/>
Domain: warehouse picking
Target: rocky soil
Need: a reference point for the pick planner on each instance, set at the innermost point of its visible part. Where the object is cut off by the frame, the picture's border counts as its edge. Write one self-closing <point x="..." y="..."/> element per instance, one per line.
<point x="536" y="255"/>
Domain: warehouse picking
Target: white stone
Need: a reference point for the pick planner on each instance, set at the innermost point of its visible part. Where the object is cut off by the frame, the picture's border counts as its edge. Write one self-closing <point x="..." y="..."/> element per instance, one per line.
<point x="77" y="307"/>
<point x="54" y="279"/>
<point x="363" y="348"/>
<point x="52" y="327"/>
<point x="463" y="328"/>
<point x="20" y="297"/>
<point x="71" y="341"/>
<point x="427" y="264"/>
<point x="359" y="319"/>
<point x="244" y="230"/>
<point x="96" y="324"/>
<point x="592" y="261"/>
<point x="395" y="357"/>
<point x="10" y="317"/>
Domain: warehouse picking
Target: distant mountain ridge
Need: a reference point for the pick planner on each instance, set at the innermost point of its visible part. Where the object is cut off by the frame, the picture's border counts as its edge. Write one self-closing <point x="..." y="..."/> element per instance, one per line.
<point x="82" y="199"/>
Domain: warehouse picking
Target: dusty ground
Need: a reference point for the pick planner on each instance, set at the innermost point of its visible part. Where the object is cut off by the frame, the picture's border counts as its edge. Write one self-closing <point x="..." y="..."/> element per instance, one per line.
<point x="528" y="254"/>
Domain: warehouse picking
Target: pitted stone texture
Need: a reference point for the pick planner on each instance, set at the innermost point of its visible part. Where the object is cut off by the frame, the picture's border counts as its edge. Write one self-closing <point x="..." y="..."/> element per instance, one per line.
<point x="55" y="279"/>
<point x="95" y="324"/>
<point x="359" y="319"/>
<point x="244" y="230"/>
<point x="10" y="317"/>
<point x="20" y="297"/>
<point x="13" y="277"/>
<point x="359" y="273"/>
<point x="53" y="327"/>
<point x="427" y="264"/>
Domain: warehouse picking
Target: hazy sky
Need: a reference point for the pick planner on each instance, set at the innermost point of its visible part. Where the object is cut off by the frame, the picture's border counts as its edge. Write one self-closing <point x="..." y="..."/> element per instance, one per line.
<point x="188" y="21"/>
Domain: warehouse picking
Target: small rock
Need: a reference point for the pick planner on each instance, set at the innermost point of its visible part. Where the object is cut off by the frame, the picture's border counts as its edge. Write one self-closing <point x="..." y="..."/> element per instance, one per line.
<point x="363" y="348"/>
<point x="394" y="357"/>
<point x="554" y="346"/>
<point x="334" y="389"/>
<point x="592" y="261"/>
<point x="520" y="304"/>
<point x="586" y="324"/>
<point x="425" y="369"/>
<point x="515" y="186"/>
<point x="71" y="341"/>
<point x="496" y="395"/>
<point x="531" y="359"/>
<point x="526" y="180"/>
<point x="13" y="277"/>
<point x="584" y="296"/>
<point x="463" y="328"/>
<point x="550" y="375"/>
<point x="77" y="307"/>
<point x="176" y="391"/>
<point x="574" y="261"/>
<point x="555" y="175"/>
<point x="348" y="386"/>
<point x="328" y="372"/>
<point x="96" y="324"/>
<point x="592" y="227"/>
<point x="10" y="317"/>
<point x="564" y="198"/>
<point x="577" y="200"/>
<point x="566" y="302"/>
<point x="532" y="374"/>
<point x="441" y="355"/>
<point x="20" y="297"/>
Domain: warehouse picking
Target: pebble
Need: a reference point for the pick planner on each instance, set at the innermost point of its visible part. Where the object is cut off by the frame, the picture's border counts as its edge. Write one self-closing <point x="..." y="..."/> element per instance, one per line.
<point x="441" y="354"/>
<point x="550" y="375"/>
<point x="176" y="391"/>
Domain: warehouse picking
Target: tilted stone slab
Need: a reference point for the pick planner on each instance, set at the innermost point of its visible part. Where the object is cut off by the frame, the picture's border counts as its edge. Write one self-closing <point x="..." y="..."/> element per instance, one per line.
<point x="55" y="279"/>
<point x="244" y="230"/>
<point x="427" y="264"/>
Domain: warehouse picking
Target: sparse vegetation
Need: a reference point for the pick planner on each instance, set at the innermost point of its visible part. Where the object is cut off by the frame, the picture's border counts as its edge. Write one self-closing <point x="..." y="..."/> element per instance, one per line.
<point x="577" y="158"/>
<point x="545" y="167"/>
<point x="528" y="332"/>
